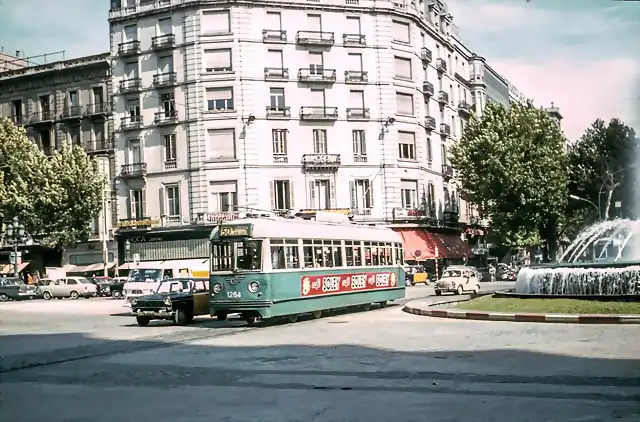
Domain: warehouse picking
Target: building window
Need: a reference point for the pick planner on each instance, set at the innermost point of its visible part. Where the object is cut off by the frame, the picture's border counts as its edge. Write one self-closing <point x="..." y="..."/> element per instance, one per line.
<point x="165" y="65"/>
<point x="359" y="142"/>
<point x="221" y="144"/>
<point x="98" y="132"/>
<point x="277" y="99"/>
<point x="217" y="60"/>
<point x="168" y="104"/>
<point x="172" y="197"/>
<point x="401" y="32"/>
<point x="409" y="194"/>
<point x="133" y="109"/>
<point x="353" y="25"/>
<point x="45" y="105"/>
<point x="356" y="99"/>
<point x="275" y="59"/>
<point x="73" y="99"/>
<point x="320" y="141"/>
<point x="170" y="149"/>
<point x="223" y="196"/>
<point x="407" y="145"/>
<point x="443" y="154"/>
<point x="354" y="62"/>
<point x="274" y="21"/>
<point x="279" y="141"/>
<point x="316" y="64"/>
<point x="402" y="68"/>
<point x="320" y="194"/>
<point x="361" y="194"/>
<point x="281" y="195"/>
<point x="219" y="99"/>
<point x="216" y="22"/>
<point x="135" y="151"/>
<point x="137" y="206"/>
<point x="429" y="150"/>
<point x="73" y="135"/>
<point x="404" y="103"/>
<point x="314" y="22"/>
<point x="431" y="197"/>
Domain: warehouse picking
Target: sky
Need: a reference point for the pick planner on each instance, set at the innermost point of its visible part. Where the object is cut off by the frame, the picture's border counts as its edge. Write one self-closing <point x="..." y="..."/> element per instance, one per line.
<point x="580" y="54"/>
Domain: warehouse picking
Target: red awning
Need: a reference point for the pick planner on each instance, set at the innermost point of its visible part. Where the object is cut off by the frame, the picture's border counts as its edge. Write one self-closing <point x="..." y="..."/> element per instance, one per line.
<point x="452" y="246"/>
<point x="417" y="244"/>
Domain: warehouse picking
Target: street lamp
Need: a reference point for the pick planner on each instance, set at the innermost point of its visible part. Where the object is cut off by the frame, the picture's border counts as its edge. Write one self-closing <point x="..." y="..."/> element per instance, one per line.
<point x="578" y="198"/>
<point x="15" y="235"/>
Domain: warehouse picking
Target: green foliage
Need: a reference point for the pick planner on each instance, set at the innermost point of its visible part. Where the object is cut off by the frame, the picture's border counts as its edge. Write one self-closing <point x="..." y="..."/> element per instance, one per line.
<point x="511" y="163"/>
<point x="55" y="198"/>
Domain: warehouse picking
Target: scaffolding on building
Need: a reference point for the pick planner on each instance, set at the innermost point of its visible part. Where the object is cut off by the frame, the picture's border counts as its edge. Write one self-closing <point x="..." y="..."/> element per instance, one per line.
<point x="19" y="60"/>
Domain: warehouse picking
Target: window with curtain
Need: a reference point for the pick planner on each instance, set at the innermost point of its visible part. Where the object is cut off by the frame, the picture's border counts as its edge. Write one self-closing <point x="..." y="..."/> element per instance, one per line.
<point x="217" y="60"/>
<point x="221" y="144"/>
<point x="223" y="196"/>
<point x="404" y="103"/>
<point x="215" y="22"/>
<point x="402" y="68"/>
<point x="220" y="99"/>
<point x="407" y="145"/>
<point x="409" y="194"/>
<point x="319" y="141"/>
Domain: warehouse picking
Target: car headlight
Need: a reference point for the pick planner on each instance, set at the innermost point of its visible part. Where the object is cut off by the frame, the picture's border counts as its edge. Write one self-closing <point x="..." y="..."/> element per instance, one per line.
<point x="217" y="288"/>
<point x="453" y="284"/>
<point x="167" y="301"/>
<point x="254" y="287"/>
<point x="134" y="302"/>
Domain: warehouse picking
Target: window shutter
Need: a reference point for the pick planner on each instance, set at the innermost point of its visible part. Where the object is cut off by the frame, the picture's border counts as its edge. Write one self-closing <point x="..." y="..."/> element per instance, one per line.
<point x="422" y="200"/>
<point x="272" y="194"/>
<point x="292" y="194"/>
<point x="370" y="194"/>
<point x="144" y="203"/>
<point x="132" y="211"/>
<point x="312" y="195"/>
<point x="163" y="199"/>
<point x="332" y="194"/>
<point x="352" y="190"/>
<point x="363" y="143"/>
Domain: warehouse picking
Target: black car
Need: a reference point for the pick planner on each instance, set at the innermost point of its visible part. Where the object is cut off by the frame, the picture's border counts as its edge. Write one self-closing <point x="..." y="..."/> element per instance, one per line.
<point x="175" y="299"/>
<point x="12" y="288"/>
<point x="116" y="287"/>
<point x="103" y="284"/>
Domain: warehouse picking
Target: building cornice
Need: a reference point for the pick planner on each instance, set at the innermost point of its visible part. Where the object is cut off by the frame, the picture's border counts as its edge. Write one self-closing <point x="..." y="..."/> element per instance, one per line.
<point x="44" y="70"/>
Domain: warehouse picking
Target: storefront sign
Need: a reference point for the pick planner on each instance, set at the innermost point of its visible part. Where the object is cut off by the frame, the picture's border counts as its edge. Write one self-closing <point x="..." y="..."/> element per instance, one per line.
<point x="405" y="214"/>
<point x="147" y="222"/>
<point x="235" y="231"/>
<point x="214" y="218"/>
<point x="317" y="285"/>
<point x="343" y="211"/>
<point x="144" y="239"/>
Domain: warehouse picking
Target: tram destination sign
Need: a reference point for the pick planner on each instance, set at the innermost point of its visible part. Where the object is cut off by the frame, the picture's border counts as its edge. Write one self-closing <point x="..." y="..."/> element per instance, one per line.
<point x="317" y="285"/>
<point x="235" y="231"/>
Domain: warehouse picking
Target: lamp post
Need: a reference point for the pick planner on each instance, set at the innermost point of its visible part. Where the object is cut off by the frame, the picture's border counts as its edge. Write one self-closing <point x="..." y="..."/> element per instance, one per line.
<point x="15" y="235"/>
<point x="578" y="198"/>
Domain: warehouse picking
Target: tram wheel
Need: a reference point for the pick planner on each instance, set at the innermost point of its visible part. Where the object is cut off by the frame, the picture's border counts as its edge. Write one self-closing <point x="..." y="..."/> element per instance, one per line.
<point x="293" y="318"/>
<point x="383" y="304"/>
<point x="366" y="307"/>
<point x="251" y="319"/>
<point x="317" y="314"/>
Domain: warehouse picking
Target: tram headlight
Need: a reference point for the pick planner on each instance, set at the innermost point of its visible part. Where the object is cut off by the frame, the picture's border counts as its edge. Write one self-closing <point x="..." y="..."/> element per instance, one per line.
<point x="217" y="288"/>
<point x="254" y="287"/>
<point x="167" y="301"/>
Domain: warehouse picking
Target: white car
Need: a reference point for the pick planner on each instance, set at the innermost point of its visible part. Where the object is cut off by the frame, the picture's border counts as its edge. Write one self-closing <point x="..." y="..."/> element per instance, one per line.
<point x="73" y="287"/>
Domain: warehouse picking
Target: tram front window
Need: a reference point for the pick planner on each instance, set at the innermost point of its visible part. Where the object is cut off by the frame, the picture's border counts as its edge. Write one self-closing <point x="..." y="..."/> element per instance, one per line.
<point x="145" y="275"/>
<point x="236" y="256"/>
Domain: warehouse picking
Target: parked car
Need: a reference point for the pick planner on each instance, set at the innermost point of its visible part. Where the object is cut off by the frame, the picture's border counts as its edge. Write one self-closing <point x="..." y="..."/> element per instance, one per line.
<point x="103" y="284"/>
<point x="175" y="299"/>
<point x="72" y="287"/>
<point x="117" y="286"/>
<point x="416" y="274"/>
<point x="12" y="288"/>
<point x="457" y="281"/>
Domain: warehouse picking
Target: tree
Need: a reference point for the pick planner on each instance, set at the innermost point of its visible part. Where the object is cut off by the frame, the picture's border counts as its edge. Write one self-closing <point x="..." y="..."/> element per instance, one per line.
<point x="511" y="164"/>
<point x="55" y="197"/>
<point x="602" y="164"/>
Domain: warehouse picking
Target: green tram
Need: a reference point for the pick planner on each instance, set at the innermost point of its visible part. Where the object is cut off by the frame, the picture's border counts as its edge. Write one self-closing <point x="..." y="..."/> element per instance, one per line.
<point x="270" y="267"/>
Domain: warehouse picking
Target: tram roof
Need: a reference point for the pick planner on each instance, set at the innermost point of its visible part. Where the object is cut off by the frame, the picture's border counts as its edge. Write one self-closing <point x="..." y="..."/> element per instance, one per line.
<point x="298" y="228"/>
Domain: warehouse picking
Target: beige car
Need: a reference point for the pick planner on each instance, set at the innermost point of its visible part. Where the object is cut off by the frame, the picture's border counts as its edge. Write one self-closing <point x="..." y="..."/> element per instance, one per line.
<point x="72" y="287"/>
<point x="457" y="281"/>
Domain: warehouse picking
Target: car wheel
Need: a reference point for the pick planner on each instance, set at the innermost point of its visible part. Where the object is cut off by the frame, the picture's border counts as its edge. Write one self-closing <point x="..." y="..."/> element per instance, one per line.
<point x="180" y="317"/>
<point x="143" y="321"/>
<point x="46" y="296"/>
<point x="74" y="295"/>
<point x="222" y="316"/>
<point x="438" y="293"/>
<point x="476" y="289"/>
<point x="116" y="294"/>
<point x="4" y="297"/>
<point x="459" y="290"/>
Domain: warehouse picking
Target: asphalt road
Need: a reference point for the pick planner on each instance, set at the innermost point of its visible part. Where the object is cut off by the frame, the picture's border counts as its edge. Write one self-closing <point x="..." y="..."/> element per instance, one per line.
<point x="382" y="365"/>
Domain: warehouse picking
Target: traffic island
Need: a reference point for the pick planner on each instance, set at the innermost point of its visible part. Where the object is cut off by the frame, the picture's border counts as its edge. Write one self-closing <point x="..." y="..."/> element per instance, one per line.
<point x="491" y="308"/>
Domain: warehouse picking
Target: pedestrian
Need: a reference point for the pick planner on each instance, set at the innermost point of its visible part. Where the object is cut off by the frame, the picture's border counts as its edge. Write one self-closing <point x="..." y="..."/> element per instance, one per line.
<point x="29" y="278"/>
<point x="492" y="272"/>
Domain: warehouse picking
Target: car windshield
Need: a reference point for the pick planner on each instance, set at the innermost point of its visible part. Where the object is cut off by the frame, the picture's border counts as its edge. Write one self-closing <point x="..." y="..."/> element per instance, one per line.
<point x="451" y="273"/>
<point x="242" y="255"/>
<point x="169" y="286"/>
<point x="85" y="281"/>
<point x="149" y="275"/>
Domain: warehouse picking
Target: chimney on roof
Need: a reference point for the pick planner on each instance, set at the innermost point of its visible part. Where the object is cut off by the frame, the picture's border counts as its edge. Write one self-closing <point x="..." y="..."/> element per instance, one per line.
<point x="17" y="53"/>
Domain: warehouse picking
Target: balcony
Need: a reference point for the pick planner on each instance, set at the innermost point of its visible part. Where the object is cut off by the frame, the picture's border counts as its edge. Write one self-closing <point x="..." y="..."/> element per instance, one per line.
<point x="98" y="146"/>
<point x="430" y="123"/>
<point x="477" y="79"/>
<point x="427" y="89"/>
<point x="443" y="98"/>
<point x="465" y="108"/>
<point x="354" y="39"/>
<point x="359" y="158"/>
<point x="356" y="77"/>
<point x="165" y="79"/>
<point x="45" y="117"/>
<point x="131" y="123"/>
<point x="445" y="129"/>
<point x="317" y="75"/>
<point x="133" y="170"/>
<point x="165" y="118"/>
<point x="278" y="112"/>
<point x="451" y="217"/>
<point x="276" y="73"/>
<point x="447" y="171"/>
<point x="71" y="112"/>
<point x="441" y="65"/>
<point x="321" y="161"/>
<point x="280" y="159"/>
<point x="274" y="36"/>
<point x="99" y="110"/>
<point x="425" y="55"/>
<point x="130" y="85"/>
<point x="358" y="114"/>
<point x="317" y="38"/>
<point x="319" y="113"/>
<point x="163" y="42"/>
<point x="130" y="48"/>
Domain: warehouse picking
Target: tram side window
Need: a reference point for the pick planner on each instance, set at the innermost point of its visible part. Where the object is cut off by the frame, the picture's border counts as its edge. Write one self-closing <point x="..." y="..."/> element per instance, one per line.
<point x="337" y="253"/>
<point x="318" y="254"/>
<point x="388" y="254"/>
<point x="357" y="254"/>
<point x="277" y="254"/>
<point x="327" y="254"/>
<point x="222" y="256"/>
<point x="307" y="250"/>
<point x="291" y="254"/>
<point x="348" y="251"/>
<point x="368" y="258"/>
<point x="375" y="253"/>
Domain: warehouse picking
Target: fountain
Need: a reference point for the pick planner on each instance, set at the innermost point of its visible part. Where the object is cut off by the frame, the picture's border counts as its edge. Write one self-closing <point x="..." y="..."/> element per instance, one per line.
<point x="603" y="260"/>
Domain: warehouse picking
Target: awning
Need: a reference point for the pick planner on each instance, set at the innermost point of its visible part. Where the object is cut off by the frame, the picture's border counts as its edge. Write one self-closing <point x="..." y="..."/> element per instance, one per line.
<point x="8" y="268"/>
<point x="143" y="264"/>
<point x="417" y="244"/>
<point x="87" y="268"/>
<point x="185" y="263"/>
<point x="451" y="246"/>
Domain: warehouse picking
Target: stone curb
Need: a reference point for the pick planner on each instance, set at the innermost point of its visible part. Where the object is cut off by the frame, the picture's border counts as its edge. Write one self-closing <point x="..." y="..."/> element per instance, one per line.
<point x="501" y="316"/>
